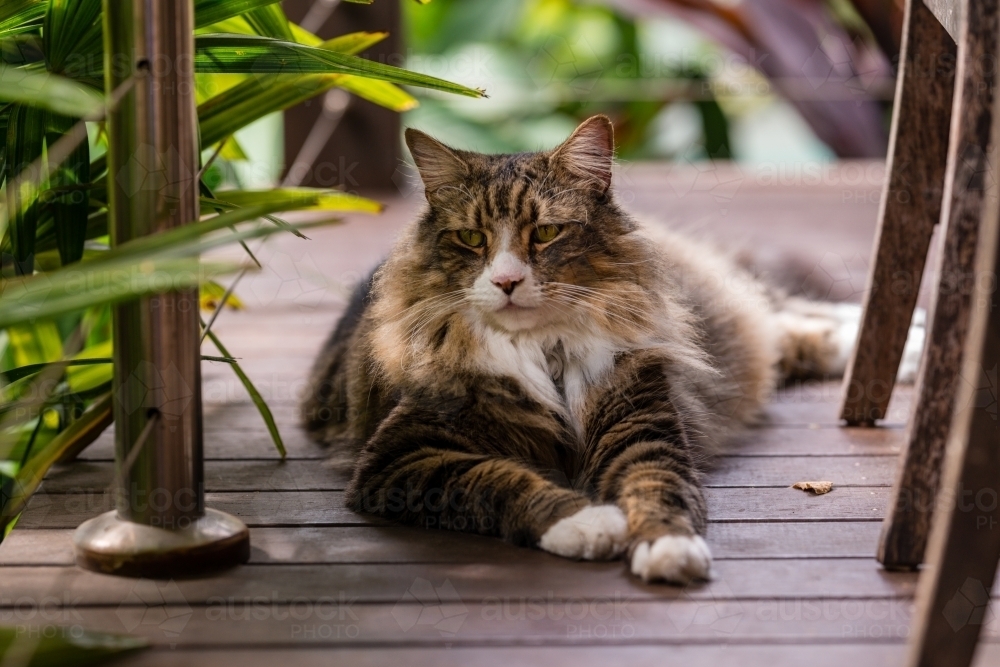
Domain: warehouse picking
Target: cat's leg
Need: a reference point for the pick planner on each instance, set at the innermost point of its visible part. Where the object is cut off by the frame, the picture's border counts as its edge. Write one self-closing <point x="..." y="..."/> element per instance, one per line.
<point x="656" y="485"/>
<point x="817" y="339"/>
<point x="416" y="473"/>
<point x="640" y="457"/>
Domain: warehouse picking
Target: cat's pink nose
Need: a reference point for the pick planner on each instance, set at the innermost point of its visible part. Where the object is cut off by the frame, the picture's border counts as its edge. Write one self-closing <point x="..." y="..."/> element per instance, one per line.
<point x="507" y="272"/>
<point x="507" y="284"/>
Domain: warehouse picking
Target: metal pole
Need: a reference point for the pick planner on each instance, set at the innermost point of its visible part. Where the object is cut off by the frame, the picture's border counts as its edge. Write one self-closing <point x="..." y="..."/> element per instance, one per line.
<point x="161" y="525"/>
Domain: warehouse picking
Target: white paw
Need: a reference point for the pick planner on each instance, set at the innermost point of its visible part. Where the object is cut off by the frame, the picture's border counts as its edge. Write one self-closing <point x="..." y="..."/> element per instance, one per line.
<point x="674" y="558"/>
<point x="594" y="533"/>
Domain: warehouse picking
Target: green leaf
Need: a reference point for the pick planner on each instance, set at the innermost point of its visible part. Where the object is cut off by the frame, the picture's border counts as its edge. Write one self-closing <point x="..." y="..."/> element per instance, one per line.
<point x="207" y="12"/>
<point x="212" y="294"/>
<point x="86" y="372"/>
<point x="23" y="50"/>
<point x="236" y="25"/>
<point x="19" y="15"/>
<point x="326" y="200"/>
<point x="270" y="21"/>
<point x="381" y="93"/>
<point x="210" y="204"/>
<point x="33" y="344"/>
<point x="4" y="121"/>
<point x="71" y="28"/>
<point x="60" y="647"/>
<point x="89" y="284"/>
<point x="175" y="240"/>
<point x="82" y="376"/>
<point x="42" y="89"/>
<point x="224" y="360"/>
<point x="147" y="265"/>
<point x="255" y="98"/>
<point x="30" y="476"/>
<point x="258" y="400"/>
<point x="71" y="207"/>
<point x="354" y="42"/>
<point x="25" y="142"/>
<point x="262" y="55"/>
<point x="233" y="151"/>
<point x="302" y="36"/>
<point x="97" y="226"/>
<point x="24" y="371"/>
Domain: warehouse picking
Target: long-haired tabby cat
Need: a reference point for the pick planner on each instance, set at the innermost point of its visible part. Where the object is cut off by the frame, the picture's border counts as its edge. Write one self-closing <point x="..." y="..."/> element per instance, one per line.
<point x="532" y="363"/>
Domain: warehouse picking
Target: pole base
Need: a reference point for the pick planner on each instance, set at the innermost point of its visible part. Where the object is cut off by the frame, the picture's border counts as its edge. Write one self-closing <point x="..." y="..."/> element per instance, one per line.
<point x="112" y="545"/>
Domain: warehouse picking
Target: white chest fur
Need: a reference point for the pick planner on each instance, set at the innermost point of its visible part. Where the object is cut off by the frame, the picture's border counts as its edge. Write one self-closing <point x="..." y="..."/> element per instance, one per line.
<point x="582" y="362"/>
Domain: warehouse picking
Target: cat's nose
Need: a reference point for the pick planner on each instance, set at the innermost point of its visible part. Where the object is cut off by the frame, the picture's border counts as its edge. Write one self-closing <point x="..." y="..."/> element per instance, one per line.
<point x="507" y="285"/>
<point x="507" y="272"/>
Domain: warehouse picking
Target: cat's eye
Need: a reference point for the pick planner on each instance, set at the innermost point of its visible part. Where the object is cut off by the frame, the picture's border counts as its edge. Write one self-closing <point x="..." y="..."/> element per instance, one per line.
<point x="472" y="238"/>
<point x="545" y="233"/>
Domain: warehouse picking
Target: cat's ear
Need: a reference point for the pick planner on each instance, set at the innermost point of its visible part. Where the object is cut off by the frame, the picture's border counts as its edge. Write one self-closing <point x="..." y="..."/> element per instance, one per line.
<point x="438" y="165"/>
<point x="589" y="153"/>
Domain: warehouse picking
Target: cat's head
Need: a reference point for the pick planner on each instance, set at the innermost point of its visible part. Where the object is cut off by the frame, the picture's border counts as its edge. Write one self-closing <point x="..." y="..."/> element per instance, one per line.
<point x="525" y="240"/>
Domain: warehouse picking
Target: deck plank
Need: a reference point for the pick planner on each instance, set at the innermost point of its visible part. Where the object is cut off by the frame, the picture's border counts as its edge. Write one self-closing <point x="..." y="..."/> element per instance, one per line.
<point x="300" y="475"/>
<point x="326" y="508"/>
<point x="227" y="405"/>
<point x="244" y="438"/>
<point x="399" y="544"/>
<point x="506" y="622"/>
<point x="724" y="653"/>
<point x="524" y="572"/>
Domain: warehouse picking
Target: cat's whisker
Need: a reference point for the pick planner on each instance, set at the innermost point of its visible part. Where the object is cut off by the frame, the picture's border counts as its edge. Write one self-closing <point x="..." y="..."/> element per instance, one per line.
<point x="619" y="309"/>
<point x="616" y="291"/>
<point x="622" y="301"/>
<point x="430" y="315"/>
<point x="421" y="320"/>
<point x="433" y="301"/>
<point x="634" y="325"/>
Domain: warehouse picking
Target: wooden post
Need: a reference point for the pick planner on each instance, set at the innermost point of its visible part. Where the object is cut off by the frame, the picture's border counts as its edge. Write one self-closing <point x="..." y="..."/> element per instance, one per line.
<point x="907" y="525"/>
<point x="161" y="526"/>
<point x="911" y="206"/>
<point x="964" y="546"/>
<point x="365" y="149"/>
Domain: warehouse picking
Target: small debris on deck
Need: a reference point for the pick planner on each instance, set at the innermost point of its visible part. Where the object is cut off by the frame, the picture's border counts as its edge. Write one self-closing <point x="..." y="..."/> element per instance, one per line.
<point x="816" y="488"/>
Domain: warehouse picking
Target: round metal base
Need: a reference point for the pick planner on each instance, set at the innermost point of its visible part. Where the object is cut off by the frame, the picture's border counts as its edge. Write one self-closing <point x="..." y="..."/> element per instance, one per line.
<point x="109" y="544"/>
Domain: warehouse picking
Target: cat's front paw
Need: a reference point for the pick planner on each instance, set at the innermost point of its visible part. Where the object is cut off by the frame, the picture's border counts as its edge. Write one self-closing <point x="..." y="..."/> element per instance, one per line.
<point x="677" y="559"/>
<point x="599" y="532"/>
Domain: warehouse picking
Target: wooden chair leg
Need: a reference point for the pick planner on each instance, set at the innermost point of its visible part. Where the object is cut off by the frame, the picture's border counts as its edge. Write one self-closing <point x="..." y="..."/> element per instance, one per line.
<point x="911" y="206"/>
<point x="906" y="526"/>
<point x="964" y="545"/>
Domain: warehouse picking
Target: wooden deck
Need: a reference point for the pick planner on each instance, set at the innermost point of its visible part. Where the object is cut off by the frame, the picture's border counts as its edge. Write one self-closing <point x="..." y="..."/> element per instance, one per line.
<point x="795" y="578"/>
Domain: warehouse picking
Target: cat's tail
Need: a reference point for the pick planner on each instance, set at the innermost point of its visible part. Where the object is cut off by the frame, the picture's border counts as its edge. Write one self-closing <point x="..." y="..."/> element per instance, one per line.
<point x="817" y="338"/>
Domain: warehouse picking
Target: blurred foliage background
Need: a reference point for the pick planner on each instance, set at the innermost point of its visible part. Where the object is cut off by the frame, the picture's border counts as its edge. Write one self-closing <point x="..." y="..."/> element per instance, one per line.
<point x="706" y="84"/>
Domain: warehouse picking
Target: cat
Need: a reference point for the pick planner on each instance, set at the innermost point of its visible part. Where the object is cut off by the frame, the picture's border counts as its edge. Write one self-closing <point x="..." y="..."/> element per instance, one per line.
<point x="532" y="363"/>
